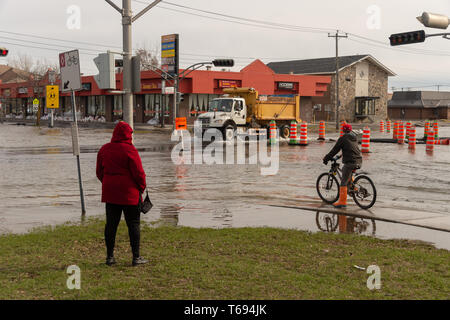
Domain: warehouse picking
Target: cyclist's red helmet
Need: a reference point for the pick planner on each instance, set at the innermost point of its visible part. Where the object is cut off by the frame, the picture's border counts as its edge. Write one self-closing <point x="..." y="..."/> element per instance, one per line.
<point x="347" y="127"/>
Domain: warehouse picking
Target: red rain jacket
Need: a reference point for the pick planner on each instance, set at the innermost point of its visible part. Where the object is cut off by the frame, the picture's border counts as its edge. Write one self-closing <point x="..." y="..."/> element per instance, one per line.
<point x="119" y="168"/>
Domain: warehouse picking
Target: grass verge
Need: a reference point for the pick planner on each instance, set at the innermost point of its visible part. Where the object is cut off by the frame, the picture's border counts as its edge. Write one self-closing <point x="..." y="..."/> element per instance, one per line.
<point x="243" y="263"/>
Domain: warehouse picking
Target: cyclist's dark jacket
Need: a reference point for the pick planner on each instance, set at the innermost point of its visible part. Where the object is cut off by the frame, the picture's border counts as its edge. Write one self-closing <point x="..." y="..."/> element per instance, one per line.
<point x="351" y="154"/>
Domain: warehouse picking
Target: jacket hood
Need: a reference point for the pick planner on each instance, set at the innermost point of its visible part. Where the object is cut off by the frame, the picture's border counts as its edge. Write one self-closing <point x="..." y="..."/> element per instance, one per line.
<point x="122" y="133"/>
<point x="352" y="136"/>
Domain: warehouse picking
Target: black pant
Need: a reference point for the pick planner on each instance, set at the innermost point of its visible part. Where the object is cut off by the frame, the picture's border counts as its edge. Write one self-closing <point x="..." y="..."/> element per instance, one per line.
<point x="347" y="171"/>
<point x="132" y="217"/>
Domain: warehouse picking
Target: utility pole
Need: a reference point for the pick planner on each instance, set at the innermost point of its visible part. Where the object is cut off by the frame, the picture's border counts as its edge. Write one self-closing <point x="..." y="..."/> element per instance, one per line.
<point x="127" y="21"/>
<point x="336" y="102"/>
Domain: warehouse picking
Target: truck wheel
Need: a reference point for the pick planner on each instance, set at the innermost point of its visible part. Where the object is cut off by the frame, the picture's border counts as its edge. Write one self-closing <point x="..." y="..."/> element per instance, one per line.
<point x="285" y="131"/>
<point x="228" y="132"/>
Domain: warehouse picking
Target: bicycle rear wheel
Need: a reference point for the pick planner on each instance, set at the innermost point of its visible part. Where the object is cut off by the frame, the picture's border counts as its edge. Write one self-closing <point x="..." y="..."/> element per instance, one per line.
<point x="364" y="193"/>
<point x="328" y="187"/>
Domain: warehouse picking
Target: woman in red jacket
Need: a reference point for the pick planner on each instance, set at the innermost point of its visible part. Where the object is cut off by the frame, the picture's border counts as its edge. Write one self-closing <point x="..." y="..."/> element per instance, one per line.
<point x="119" y="168"/>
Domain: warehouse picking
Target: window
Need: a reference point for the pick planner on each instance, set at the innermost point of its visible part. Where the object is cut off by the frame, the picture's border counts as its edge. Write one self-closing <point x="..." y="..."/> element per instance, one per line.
<point x="365" y="107"/>
<point x="96" y="106"/>
<point x="118" y="105"/>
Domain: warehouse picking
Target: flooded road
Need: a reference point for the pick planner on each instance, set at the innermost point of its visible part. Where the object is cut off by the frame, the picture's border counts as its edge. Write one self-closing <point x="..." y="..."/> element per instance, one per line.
<point x="39" y="183"/>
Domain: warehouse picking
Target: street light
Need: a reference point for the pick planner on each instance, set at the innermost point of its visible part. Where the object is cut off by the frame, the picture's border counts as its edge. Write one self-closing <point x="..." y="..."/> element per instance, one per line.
<point x="433" y="20"/>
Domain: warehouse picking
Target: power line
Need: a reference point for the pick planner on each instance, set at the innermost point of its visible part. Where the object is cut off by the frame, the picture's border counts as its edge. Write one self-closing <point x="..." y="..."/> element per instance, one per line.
<point x="61" y="40"/>
<point x="289" y="27"/>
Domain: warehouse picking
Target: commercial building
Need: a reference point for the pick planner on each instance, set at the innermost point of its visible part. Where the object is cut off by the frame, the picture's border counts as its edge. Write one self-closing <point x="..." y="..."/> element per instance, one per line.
<point x="363" y="86"/>
<point x="198" y="88"/>
<point x="418" y="105"/>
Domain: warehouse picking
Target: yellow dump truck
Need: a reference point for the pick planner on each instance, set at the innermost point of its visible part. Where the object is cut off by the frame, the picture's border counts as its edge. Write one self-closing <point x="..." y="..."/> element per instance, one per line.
<point x="240" y="109"/>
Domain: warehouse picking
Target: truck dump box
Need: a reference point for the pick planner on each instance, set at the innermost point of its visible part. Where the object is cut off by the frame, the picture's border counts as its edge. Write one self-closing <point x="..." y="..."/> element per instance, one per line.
<point x="267" y="108"/>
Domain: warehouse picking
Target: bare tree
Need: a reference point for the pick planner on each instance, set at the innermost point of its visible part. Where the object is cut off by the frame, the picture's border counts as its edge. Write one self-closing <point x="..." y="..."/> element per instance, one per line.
<point x="38" y="68"/>
<point x="149" y="58"/>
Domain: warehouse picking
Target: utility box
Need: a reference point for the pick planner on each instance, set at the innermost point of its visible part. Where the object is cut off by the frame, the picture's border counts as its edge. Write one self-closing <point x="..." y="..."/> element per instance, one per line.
<point x="106" y="79"/>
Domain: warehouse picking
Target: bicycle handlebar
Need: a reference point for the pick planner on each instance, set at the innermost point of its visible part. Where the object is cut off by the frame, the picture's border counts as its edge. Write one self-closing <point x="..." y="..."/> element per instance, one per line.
<point x="337" y="158"/>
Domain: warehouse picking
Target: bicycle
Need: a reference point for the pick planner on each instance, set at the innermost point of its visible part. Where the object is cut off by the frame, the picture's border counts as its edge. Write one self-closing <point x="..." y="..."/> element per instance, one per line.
<point x="362" y="189"/>
<point x="329" y="222"/>
<point x="71" y="60"/>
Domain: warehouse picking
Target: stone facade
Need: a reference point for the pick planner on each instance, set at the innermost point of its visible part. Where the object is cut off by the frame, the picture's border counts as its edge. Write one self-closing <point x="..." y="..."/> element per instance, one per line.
<point x="377" y="87"/>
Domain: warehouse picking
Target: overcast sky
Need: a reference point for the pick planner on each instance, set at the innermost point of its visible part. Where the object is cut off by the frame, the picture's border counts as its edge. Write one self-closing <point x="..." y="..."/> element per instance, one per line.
<point x="240" y="29"/>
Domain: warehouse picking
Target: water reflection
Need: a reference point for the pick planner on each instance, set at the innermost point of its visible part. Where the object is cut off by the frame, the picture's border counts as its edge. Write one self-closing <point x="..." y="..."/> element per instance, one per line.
<point x="169" y="215"/>
<point x="331" y="222"/>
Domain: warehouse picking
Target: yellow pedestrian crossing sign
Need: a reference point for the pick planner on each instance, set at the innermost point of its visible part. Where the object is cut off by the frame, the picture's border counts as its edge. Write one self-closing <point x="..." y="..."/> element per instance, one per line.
<point x="52" y="97"/>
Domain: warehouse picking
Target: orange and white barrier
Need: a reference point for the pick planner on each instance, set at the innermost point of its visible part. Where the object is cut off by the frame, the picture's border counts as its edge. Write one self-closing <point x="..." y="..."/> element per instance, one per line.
<point x="381" y="126"/>
<point x="395" y="132"/>
<point x="342" y="128"/>
<point x="430" y="143"/>
<point x="273" y="132"/>
<point x="321" y="130"/>
<point x="442" y="141"/>
<point x="408" y="128"/>
<point x="365" y="142"/>
<point x="436" y="131"/>
<point x="412" y="138"/>
<point x="401" y="134"/>
<point x="293" y="133"/>
<point x="304" y="134"/>
<point x="388" y="126"/>
<point x="426" y="130"/>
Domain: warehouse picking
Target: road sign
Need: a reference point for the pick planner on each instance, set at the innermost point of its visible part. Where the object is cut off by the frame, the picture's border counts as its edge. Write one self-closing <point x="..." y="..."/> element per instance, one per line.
<point x="69" y="63"/>
<point x="52" y="97"/>
<point x="35" y="105"/>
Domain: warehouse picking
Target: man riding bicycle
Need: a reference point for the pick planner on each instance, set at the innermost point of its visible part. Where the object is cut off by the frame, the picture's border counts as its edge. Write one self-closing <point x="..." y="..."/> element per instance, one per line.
<point x="351" y="157"/>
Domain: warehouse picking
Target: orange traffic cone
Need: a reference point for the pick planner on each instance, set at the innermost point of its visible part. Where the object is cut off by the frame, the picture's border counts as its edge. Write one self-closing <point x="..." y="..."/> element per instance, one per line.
<point x="342" y="202"/>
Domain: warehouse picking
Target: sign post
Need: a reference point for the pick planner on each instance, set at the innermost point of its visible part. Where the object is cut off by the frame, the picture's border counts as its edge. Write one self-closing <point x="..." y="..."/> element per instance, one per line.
<point x="69" y="63"/>
<point x="52" y="101"/>
<point x="36" y="111"/>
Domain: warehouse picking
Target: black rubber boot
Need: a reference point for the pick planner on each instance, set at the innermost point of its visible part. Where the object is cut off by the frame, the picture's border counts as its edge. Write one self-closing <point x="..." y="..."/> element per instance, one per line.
<point x="110" y="261"/>
<point x="138" y="261"/>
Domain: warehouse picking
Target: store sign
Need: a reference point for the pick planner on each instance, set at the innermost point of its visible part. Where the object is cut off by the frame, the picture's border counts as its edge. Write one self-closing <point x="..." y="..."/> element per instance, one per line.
<point x="22" y="90"/>
<point x="151" y="86"/>
<point x="286" y="85"/>
<point x="228" y="84"/>
<point x="169" y="90"/>
<point x="169" y="54"/>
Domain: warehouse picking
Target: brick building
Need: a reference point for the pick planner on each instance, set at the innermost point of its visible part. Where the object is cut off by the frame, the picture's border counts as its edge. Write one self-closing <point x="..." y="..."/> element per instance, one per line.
<point x="199" y="87"/>
<point x="418" y="105"/>
<point x="363" y="87"/>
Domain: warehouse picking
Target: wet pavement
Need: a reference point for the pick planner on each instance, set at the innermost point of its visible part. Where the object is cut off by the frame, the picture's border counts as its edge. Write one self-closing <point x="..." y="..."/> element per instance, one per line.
<point x="39" y="186"/>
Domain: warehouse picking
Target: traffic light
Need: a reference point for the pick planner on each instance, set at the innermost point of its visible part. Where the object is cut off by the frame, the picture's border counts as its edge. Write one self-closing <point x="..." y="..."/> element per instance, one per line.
<point x="3" y="52"/>
<point x="180" y="97"/>
<point x="223" y="63"/>
<point x="106" y="79"/>
<point x="407" y="37"/>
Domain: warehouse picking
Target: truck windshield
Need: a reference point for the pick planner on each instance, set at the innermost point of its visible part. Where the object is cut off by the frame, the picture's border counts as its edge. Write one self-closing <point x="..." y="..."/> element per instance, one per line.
<point x="221" y="105"/>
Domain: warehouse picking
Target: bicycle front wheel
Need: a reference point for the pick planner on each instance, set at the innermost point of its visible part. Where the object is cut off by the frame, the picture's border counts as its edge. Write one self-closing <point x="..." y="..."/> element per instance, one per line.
<point x="328" y="187"/>
<point x="364" y="193"/>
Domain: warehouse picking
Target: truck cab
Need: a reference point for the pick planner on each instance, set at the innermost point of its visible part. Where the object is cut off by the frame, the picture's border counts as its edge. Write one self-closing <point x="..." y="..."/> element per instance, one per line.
<point x="226" y="114"/>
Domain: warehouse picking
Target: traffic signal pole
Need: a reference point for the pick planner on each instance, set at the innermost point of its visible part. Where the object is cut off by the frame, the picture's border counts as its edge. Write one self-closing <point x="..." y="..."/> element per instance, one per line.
<point x="127" y="21"/>
<point x="336" y="102"/>
<point x="127" y="54"/>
